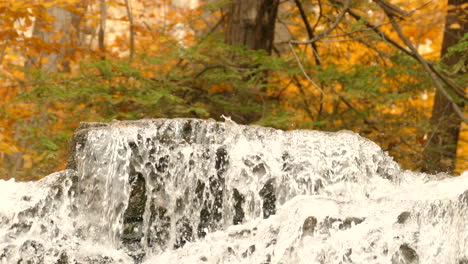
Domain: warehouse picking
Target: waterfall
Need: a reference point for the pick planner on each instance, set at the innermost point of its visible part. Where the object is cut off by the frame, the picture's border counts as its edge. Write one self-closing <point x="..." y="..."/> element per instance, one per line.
<point x="200" y="191"/>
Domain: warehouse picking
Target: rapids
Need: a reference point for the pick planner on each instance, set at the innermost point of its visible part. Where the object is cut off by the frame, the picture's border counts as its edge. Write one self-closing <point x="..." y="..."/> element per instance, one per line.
<point x="200" y="191"/>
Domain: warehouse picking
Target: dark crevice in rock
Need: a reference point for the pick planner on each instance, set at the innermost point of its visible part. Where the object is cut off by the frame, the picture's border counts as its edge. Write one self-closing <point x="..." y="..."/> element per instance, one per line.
<point x="238" y="204"/>
<point x="184" y="232"/>
<point x="160" y="224"/>
<point x="133" y="216"/>
<point x="269" y="198"/>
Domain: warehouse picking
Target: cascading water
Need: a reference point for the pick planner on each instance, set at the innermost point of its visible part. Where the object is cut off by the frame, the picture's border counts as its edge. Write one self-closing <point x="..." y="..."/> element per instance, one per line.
<point x="199" y="191"/>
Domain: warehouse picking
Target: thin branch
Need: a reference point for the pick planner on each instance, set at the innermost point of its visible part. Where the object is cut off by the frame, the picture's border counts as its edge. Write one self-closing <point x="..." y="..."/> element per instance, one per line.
<point x="395" y="11"/>
<point x="304" y="98"/>
<point x="428" y="70"/>
<point x="350" y="106"/>
<point x="354" y="31"/>
<point x="180" y="60"/>
<point x="326" y="32"/>
<point x="213" y="29"/>
<point x="380" y="54"/>
<point x="310" y="31"/>
<point x="303" y="70"/>
<point x="392" y="10"/>
<point x="458" y="90"/>
<point x="347" y="39"/>
<point x="342" y="98"/>
<point x="207" y="68"/>
<point x="338" y="35"/>
<point x="319" y="17"/>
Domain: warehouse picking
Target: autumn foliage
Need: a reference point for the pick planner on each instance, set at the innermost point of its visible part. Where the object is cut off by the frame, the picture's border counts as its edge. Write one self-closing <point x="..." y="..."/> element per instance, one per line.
<point x="63" y="62"/>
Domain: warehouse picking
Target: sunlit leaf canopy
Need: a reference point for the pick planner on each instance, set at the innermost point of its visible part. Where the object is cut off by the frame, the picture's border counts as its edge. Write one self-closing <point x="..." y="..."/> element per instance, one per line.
<point x="64" y="62"/>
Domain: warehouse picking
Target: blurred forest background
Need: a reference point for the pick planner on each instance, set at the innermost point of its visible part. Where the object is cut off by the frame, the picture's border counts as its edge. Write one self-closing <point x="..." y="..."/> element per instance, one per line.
<point x="394" y="71"/>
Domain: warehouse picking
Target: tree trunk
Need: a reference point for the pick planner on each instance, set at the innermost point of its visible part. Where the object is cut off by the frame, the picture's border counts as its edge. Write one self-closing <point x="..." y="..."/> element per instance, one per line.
<point x="252" y="23"/>
<point x="102" y="28"/>
<point x="440" y="152"/>
<point x="65" y="24"/>
<point x="132" y="33"/>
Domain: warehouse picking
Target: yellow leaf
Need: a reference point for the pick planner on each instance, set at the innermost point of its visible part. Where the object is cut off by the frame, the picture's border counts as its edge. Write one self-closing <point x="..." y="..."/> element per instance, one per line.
<point x="16" y="5"/>
<point x="39" y="158"/>
<point x="153" y="47"/>
<point x="8" y="148"/>
<point x="49" y="4"/>
<point x="113" y="3"/>
<point x="27" y="161"/>
<point x="455" y="26"/>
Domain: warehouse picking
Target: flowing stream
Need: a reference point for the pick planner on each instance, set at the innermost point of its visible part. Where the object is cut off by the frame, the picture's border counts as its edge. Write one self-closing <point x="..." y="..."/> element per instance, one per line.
<point x="200" y="191"/>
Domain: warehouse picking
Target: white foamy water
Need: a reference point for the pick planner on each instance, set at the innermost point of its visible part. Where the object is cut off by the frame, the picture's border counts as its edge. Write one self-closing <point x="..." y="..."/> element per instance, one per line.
<point x="346" y="231"/>
<point x="193" y="191"/>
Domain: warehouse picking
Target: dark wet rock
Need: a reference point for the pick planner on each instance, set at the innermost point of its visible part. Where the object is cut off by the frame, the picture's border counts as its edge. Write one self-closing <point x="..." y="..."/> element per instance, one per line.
<point x="31" y="252"/>
<point x="238" y="207"/>
<point x="271" y="243"/>
<point x="405" y="255"/>
<point x="269" y="198"/>
<point x="403" y="217"/>
<point x="22" y="226"/>
<point x="349" y="222"/>
<point x="336" y="223"/>
<point x="6" y="253"/>
<point x="158" y="233"/>
<point x="222" y="161"/>
<point x="267" y="259"/>
<point x="133" y="216"/>
<point x="98" y="260"/>
<point x="463" y="199"/>
<point x="184" y="232"/>
<point x="138" y="255"/>
<point x="347" y="255"/>
<point x="310" y="223"/>
<point x="249" y="251"/>
<point x="79" y="140"/>
<point x="240" y="233"/>
<point x="64" y="259"/>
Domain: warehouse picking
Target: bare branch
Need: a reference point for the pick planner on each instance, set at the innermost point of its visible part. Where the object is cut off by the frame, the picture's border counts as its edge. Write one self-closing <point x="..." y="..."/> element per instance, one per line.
<point x="207" y="68"/>
<point x="428" y="70"/>
<point x="304" y="98"/>
<point x="310" y="31"/>
<point x="391" y="10"/>
<point x="458" y="90"/>
<point x="342" y="98"/>
<point x="319" y="17"/>
<point x="303" y="70"/>
<point x="213" y="29"/>
<point x="347" y="39"/>
<point x="338" y="35"/>
<point x="326" y="32"/>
